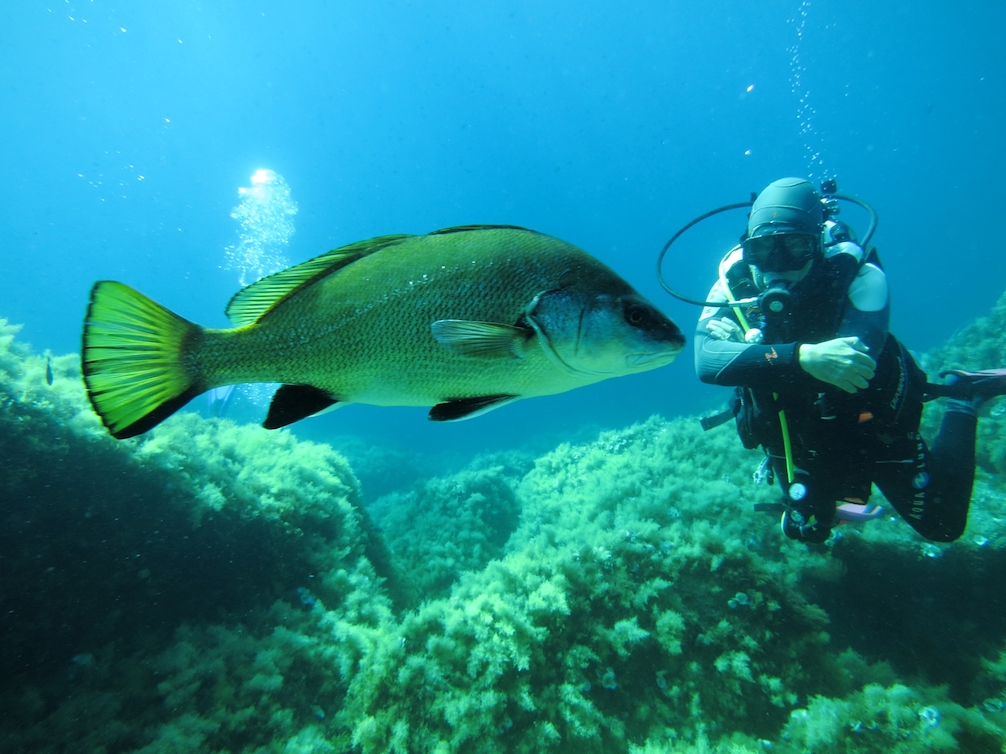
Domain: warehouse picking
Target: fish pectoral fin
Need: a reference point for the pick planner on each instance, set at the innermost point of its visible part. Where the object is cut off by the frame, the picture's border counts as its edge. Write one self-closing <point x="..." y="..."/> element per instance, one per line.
<point x="482" y="339"/>
<point x="468" y="408"/>
<point x="291" y="403"/>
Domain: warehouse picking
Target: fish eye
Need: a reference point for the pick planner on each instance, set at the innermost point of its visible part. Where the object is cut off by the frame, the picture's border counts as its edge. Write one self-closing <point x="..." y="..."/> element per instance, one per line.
<point x="636" y="314"/>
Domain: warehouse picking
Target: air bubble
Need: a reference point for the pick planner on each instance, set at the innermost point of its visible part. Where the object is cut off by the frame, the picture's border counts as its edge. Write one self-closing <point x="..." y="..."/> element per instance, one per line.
<point x="265" y="213"/>
<point x="805" y="112"/>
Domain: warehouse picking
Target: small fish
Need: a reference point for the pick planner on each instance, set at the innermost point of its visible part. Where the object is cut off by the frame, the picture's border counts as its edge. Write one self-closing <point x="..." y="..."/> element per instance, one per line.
<point x="48" y="371"/>
<point x="463" y="320"/>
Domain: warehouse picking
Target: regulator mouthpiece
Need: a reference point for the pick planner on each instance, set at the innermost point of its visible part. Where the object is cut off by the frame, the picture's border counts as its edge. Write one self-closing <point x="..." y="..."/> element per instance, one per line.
<point x="777" y="301"/>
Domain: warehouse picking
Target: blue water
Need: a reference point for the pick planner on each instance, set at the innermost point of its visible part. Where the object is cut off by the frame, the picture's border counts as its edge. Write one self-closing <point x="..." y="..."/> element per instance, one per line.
<point x="128" y="128"/>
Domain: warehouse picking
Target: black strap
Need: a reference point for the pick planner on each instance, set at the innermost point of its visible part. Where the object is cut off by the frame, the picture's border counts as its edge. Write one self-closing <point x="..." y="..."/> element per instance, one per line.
<point x="708" y="422"/>
<point x="962" y="390"/>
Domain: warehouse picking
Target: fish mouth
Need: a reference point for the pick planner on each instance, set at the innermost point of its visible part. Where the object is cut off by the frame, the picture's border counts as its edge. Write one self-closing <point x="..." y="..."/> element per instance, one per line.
<point x="648" y="360"/>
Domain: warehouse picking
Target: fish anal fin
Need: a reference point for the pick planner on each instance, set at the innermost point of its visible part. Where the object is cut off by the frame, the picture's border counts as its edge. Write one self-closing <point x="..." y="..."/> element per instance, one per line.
<point x="254" y="301"/>
<point x="468" y="408"/>
<point x="291" y="403"/>
<point x="481" y="339"/>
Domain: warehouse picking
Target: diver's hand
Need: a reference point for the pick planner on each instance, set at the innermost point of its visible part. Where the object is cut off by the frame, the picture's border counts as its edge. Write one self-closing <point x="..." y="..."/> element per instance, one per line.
<point x="842" y="362"/>
<point x="724" y="329"/>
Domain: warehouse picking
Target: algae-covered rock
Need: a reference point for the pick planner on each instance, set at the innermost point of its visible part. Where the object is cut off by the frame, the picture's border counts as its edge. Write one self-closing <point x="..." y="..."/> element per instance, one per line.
<point x="981" y="344"/>
<point x="618" y="609"/>
<point x="212" y="587"/>
<point x="108" y="547"/>
<point x="895" y="719"/>
<point x="448" y="525"/>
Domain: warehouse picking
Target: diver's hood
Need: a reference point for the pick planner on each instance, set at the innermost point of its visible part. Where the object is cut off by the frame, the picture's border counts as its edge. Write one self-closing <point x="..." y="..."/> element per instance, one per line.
<point x="789" y="205"/>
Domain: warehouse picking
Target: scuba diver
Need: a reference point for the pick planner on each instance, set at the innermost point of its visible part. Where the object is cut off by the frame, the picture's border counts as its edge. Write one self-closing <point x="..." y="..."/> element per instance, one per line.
<point x="798" y="324"/>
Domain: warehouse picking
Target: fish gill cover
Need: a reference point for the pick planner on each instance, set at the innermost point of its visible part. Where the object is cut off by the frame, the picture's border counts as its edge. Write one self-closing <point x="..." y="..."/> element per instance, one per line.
<point x="215" y="587"/>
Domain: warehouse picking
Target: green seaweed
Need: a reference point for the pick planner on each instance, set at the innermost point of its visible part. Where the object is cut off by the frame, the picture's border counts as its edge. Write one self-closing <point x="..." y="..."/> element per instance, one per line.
<point x="216" y="587"/>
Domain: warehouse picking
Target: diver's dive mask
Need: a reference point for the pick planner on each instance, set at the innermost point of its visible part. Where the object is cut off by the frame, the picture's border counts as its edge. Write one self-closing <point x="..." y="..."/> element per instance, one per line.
<point x="783" y="252"/>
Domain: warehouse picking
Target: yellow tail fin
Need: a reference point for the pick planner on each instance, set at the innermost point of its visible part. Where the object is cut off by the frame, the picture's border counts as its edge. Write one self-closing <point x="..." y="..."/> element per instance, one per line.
<point x="134" y="361"/>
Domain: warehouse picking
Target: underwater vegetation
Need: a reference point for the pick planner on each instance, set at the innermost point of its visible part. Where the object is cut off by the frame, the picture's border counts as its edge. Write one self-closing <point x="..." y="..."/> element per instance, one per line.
<point x="221" y="588"/>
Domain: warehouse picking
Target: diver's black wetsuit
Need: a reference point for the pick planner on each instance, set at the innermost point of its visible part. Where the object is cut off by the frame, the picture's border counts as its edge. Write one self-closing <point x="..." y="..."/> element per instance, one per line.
<point x="841" y="442"/>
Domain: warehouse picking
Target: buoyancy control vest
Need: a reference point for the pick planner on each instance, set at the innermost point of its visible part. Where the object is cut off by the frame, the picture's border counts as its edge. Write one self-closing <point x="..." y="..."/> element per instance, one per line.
<point x="891" y="404"/>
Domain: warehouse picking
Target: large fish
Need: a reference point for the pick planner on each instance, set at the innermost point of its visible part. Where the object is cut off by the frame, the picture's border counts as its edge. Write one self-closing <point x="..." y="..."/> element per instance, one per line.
<point x="463" y="320"/>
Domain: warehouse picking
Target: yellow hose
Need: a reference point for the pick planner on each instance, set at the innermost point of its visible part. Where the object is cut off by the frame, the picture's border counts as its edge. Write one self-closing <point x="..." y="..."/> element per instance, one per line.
<point x="783" y="424"/>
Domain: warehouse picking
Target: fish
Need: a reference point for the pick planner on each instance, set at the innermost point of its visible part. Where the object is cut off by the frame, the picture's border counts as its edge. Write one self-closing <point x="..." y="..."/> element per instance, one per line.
<point x="462" y="320"/>
<point x="48" y="371"/>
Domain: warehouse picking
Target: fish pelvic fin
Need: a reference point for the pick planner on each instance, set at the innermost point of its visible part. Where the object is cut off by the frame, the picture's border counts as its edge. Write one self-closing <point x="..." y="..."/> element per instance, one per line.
<point x="291" y="403"/>
<point x="135" y="359"/>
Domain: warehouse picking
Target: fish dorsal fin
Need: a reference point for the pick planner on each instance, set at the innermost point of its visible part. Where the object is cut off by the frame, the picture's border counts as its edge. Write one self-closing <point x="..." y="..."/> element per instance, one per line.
<point x="465" y="228"/>
<point x="251" y="303"/>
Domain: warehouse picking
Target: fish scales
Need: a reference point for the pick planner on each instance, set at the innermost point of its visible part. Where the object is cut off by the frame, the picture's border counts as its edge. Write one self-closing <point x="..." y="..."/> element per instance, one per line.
<point x="462" y="320"/>
<point x="363" y="332"/>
